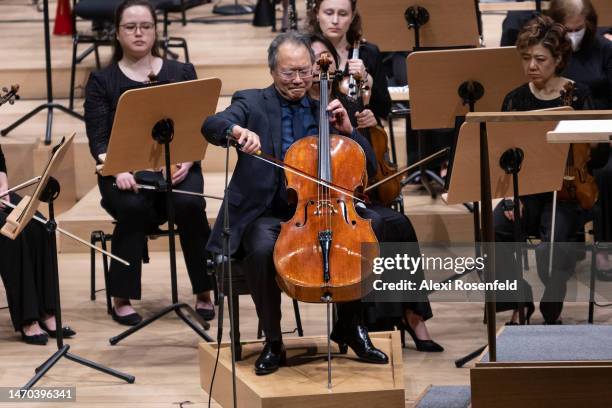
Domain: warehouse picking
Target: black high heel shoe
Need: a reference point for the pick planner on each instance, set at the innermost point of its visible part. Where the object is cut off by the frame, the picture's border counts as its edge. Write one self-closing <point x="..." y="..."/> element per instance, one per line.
<point x="37" y="339"/>
<point x="422" y="345"/>
<point x="530" y="309"/>
<point x="67" y="332"/>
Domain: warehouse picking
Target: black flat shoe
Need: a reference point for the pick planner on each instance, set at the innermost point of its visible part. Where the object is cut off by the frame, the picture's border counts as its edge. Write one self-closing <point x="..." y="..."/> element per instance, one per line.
<point x="358" y="339"/>
<point x="37" y="339"/>
<point x="128" y="320"/>
<point x="423" y="345"/>
<point x="67" y="332"/>
<point x="271" y="358"/>
<point x="206" y="314"/>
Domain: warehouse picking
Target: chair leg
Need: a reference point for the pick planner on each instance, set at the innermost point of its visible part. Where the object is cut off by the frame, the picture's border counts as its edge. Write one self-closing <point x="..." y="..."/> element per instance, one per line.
<point x="106" y="275"/>
<point x="236" y="327"/>
<point x="92" y="267"/>
<point x="592" y="283"/>
<point x="259" y="330"/>
<point x="298" y="318"/>
<point x="75" y="42"/>
<point x="184" y="46"/>
<point x="97" y="55"/>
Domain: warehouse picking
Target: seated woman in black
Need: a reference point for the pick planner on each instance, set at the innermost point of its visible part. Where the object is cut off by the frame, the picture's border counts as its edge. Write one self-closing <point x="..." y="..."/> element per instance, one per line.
<point x="544" y="48"/>
<point x="26" y="268"/>
<point x="390" y="226"/>
<point x="137" y="63"/>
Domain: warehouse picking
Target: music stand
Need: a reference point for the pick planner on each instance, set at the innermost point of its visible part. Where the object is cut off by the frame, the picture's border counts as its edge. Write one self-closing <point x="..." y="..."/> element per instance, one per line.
<point x="484" y="122"/>
<point x="169" y="116"/>
<point x="420" y="24"/>
<point x="604" y="12"/>
<point x="47" y="190"/>
<point x="49" y="105"/>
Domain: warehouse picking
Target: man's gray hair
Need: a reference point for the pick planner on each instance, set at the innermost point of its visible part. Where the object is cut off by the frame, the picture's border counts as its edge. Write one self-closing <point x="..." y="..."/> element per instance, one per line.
<point x="291" y="37"/>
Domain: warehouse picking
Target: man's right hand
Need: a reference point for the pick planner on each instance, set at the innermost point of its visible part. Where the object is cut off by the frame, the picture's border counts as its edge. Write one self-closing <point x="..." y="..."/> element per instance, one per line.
<point x="126" y="181"/>
<point x="248" y="140"/>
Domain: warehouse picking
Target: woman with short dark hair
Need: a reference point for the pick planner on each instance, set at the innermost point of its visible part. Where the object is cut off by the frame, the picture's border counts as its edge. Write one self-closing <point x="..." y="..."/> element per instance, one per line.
<point x="544" y="48"/>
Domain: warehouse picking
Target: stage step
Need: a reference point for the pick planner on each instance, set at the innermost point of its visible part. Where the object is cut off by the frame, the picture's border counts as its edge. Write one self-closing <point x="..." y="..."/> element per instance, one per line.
<point x="448" y="396"/>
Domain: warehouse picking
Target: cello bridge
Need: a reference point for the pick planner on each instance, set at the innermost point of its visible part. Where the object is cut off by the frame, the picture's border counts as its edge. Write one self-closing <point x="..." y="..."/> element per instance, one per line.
<point x="324" y="205"/>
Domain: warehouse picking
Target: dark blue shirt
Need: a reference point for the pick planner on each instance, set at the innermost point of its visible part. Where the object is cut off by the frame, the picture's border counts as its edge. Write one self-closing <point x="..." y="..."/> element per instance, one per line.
<point x="297" y="121"/>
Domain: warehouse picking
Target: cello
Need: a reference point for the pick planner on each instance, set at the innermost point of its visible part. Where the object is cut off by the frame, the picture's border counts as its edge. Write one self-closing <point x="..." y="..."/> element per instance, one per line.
<point x="318" y="255"/>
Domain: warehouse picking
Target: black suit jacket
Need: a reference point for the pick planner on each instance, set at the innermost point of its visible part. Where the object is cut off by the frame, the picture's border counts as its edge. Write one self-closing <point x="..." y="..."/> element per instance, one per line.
<point x="255" y="183"/>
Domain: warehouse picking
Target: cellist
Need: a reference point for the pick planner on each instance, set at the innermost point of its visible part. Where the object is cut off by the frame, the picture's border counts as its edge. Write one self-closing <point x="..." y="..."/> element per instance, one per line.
<point x="270" y="120"/>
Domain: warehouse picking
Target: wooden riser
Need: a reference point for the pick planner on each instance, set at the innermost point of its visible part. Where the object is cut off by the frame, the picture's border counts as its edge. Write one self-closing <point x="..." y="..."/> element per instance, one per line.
<point x="303" y="382"/>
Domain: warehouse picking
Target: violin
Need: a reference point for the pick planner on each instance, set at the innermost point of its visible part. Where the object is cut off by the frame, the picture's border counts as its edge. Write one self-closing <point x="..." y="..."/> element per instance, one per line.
<point x="357" y="93"/>
<point x="578" y="184"/>
<point x="319" y="254"/>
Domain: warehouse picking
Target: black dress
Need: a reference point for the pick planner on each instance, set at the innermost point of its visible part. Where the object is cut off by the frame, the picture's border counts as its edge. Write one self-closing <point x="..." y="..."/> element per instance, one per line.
<point x="395" y="226"/>
<point x="26" y="268"/>
<point x="592" y="65"/>
<point x="140" y="213"/>
<point x="537" y="214"/>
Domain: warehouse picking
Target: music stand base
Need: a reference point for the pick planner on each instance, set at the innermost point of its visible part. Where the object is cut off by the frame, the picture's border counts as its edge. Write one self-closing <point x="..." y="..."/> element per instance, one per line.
<point x="178" y="309"/>
<point x="466" y="359"/>
<point x="233" y="10"/>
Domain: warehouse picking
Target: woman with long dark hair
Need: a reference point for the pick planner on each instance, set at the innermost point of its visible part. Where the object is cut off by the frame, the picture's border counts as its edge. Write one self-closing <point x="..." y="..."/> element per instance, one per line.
<point x="137" y="63"/>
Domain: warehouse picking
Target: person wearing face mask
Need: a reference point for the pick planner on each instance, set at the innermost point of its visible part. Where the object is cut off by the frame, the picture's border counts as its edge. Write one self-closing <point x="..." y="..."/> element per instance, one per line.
<point x="545" y="49"/>
<point x="137" y="63"/>
<point x="591" y="64"/>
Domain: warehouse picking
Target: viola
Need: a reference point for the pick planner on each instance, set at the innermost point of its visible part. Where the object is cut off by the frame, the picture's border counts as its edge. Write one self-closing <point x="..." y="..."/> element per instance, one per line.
<point x="319" y="254"/>
<point x="356" y="94"/>
<point x="578" y="184"/>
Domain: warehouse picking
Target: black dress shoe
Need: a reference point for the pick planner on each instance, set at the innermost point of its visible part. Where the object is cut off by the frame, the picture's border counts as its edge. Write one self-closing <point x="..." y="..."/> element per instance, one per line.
<point x="37" y="339"/>
<point x="128" y="320"/>
<point x="271" y="358"/>
<point x="67" y="332"/>
<point x="357" y="338"/>
<point x="206" y="314"/>
<point x="423" y="345"/>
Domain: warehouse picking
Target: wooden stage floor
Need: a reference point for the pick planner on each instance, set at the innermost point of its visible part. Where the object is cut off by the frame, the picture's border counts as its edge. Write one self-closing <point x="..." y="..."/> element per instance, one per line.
<point x="163" y="356"/>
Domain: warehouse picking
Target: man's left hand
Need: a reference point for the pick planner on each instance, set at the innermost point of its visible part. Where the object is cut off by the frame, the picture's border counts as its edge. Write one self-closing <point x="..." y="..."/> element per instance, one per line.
<point x="339" y="117"/>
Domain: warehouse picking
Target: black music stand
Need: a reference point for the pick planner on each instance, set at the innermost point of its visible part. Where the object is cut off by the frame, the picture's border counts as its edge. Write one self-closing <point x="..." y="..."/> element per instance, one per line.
<point x="168" y="116"/>
<point x="50" y="105"/>
<point x="47" y="190"/>
<point x="481" y="154"/>
<point x="423" y="24"/>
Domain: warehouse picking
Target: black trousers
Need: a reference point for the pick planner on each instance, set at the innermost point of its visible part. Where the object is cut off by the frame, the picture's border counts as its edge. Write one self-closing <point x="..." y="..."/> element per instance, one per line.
<point x="537" y="221"/>
<point x="140" y="213"/>
<point x="26" y="268"/>
<point x="392" y="226"/>
<point x="258" y="245"/>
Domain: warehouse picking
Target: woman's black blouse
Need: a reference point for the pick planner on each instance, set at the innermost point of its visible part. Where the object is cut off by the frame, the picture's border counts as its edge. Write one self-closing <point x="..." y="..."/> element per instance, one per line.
<point x="102" y="94"/>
